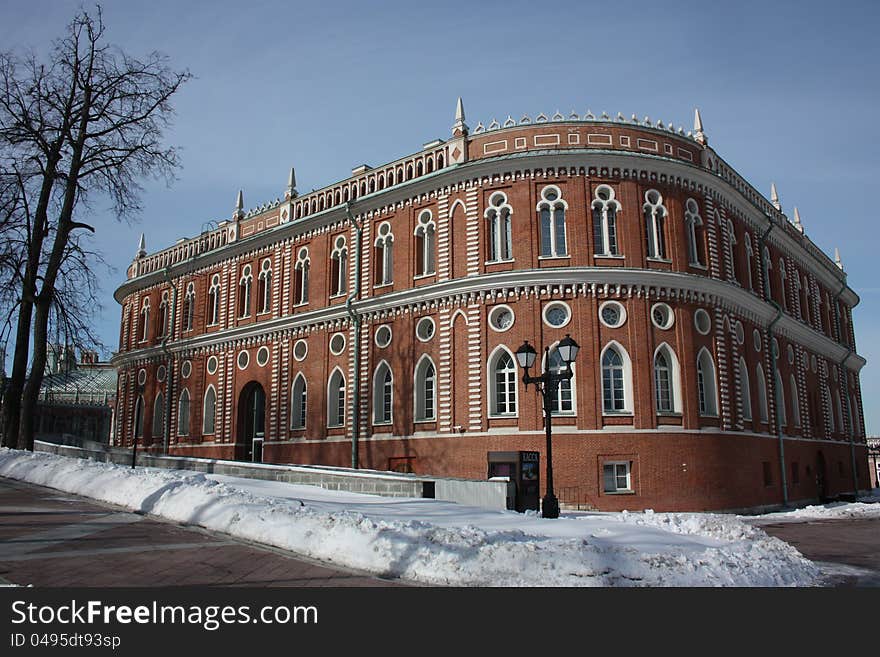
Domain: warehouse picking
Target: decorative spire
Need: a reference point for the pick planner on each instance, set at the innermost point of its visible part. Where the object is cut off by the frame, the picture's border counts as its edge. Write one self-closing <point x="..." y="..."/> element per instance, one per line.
<point x="239" y="206"/>
<point x="459" y="128"/>
<point x="774" y="197"/>
<point x="142" y="248"/>
<point x="699" y="135"/>
<point x="837" y="260"/>
<point x="291" y="183"/>
<point x="797" y="220"/>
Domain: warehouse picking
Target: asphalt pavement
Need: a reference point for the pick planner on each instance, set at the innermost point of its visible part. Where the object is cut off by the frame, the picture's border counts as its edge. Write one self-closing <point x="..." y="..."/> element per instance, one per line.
<point x="49" y="538"/>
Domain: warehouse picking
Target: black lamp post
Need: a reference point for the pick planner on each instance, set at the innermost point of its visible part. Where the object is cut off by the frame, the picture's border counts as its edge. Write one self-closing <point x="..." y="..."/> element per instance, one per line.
<point x="547" y="384"/>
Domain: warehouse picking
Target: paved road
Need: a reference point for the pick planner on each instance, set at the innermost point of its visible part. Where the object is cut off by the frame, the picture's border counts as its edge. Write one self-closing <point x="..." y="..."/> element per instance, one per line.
<point x="847" y="551"/>
<point x="51" y="538"/>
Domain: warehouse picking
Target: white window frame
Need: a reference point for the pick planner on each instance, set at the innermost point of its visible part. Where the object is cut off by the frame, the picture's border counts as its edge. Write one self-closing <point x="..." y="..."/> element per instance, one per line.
<point x="626" y="367"/>
<point x="499" y="217"/>
<point x="552" y="207"/>
<point x="426" y="237"/>
<point x="627" y="465"/>
<point x="511" y="383"/>
<point x="383" y="394"/>
<point x="605" y="223"/>
<point x="420" y="399"/>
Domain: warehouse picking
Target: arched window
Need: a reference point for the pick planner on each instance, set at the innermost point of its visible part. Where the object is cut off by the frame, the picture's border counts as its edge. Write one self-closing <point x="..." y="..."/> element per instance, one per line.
<point x="498" y="237"/>
<point x="339" y="267"/>
<point x="301" y="278"/>
<point x="265" y="286"/>
<point x="189" y="302"/>
<point x="145" y="319"/>
<point x="745" y="390"/>
<point x="158" y="416"/>
<point x="795" y="403"/>
<point x="841" y="424"/>
<point x="731" y="251"/>
<point x="561" y="403"/>
<point x="605" y="210"/>
<point x="162" y="324"/>
<point x="336" y="399"/>
<point x="214" y="300"/>
<point x="655" y="215"/>
<point x="244" y="292"/>
<point x="780" y="399"/>
<point x="298" y="403"/>
<point x="383" y="394"/>
<point x="183" y="414"/>
<point x="782" y="290"/>
<point x="664" y="377"/>
<point x="209" y="410"/>
<point x="706" y="386"/>
<point x="424" y="233"/>
<point x="502" y="383"/>
<point x="762" y="393"/>
<point x="616" y="380"/>
<point x="694" y="231"/>
<point x="139" y="417"/>
<point x="425" y="389"/>
<point x="551" y="209"/>
<point x="383" y="255"/>
<point x="749" y="257"/>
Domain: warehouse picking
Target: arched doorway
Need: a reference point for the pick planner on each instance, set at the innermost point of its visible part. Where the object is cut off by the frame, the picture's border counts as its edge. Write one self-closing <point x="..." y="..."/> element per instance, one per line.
<point x="251" y="423"/>
<point x="820" y="478"/>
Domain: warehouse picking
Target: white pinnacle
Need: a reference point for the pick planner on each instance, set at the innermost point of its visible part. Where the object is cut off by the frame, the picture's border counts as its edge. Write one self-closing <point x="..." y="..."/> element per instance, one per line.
<point x="698" y="121"/>
<point x="797" y="220"/>
<point x="142" y="247"/>
<point x="291" y="183"/>
<point x="459" y="110"/>
<point x="774" y="197"/>
<point x="837" y="260"/>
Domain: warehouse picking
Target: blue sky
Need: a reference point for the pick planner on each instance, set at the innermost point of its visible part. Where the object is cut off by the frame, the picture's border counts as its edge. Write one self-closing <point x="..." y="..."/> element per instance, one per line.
<point x="788" y="92"/>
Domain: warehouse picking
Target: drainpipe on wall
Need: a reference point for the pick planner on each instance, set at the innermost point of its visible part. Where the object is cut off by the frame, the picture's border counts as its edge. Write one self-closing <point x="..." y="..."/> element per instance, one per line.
<point x="765" y="275"/>
<point x="356" y="322"/>
<point x="848" y="406"/>
<point x="168" y="375"/>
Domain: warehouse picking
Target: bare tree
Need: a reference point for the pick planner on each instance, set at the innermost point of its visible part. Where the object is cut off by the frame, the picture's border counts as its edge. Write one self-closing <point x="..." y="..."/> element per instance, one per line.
<point x="87" y="125"/>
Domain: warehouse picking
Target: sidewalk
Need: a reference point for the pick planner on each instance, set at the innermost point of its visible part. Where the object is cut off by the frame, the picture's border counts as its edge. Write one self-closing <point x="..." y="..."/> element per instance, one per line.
<point x="49" y="538"/>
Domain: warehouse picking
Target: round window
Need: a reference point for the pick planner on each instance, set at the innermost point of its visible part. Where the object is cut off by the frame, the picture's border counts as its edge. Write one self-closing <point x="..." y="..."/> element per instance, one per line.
<point x="212" y="365"/>
<point x="300" y="349"/>
<point x="756" y="337"/>
<point x="425" y="329"/>
<point x="160" y="373"/>
<point x="383" y="336"/>
<point x="263" y="356"/>
<point x="661" y="315"/>
<point x="337" y="343"/>
<point x="557" y="314"/>
<point x="186" y="369"/>
<point x="702" y="321"/>
<point x="243" y="359"/>
<point x="501" y="318"/>
<point x="142" y="377"/>
<point x="612" y="314"/>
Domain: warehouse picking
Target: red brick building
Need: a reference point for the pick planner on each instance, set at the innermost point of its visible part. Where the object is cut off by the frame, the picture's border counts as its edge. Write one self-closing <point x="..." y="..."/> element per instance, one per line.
<point x="717" y="367"/>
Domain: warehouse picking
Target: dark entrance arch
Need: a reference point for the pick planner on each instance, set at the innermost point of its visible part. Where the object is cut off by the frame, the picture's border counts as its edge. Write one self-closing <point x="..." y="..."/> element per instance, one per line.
<point x="820" y="478"/>
<point x="251" y="423"/>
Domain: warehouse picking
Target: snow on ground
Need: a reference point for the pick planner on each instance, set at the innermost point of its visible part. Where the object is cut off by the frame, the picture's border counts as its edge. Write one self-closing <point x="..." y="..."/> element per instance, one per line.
<point x="865" y="507"/>
<point x="438" y="542"/>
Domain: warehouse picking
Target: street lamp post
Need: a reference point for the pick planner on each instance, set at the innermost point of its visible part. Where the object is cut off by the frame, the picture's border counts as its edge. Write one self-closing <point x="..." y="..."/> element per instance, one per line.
<point x="547" y="383"/>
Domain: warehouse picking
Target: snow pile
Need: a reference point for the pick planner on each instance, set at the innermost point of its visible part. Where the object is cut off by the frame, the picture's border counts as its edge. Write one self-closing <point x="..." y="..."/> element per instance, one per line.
<point x="866" y="507"/>
<point x="461" y="546"/>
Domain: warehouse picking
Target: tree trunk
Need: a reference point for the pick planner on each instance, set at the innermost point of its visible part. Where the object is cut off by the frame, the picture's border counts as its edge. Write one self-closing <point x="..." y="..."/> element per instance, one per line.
<point x="31" y="393"/>
<point x="15" y="386"/>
